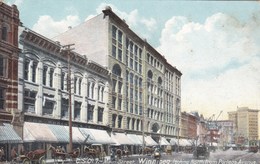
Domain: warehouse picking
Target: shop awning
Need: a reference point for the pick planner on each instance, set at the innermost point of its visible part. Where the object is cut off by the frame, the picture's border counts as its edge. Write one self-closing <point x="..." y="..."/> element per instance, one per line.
<point x="96" y="136"/>
<point x="121" y="139"/>
<point x="135" y="139"/>
<point x="163" y="141"/>
<point x="38" y="132"/>
<point x="174" y="141"/>
<point x="8" y="134"/>
<point x="148" y="140"/>
<point x="184" y="142"/>
<point x="60" y="132"/>
<point x="77" y="136"/>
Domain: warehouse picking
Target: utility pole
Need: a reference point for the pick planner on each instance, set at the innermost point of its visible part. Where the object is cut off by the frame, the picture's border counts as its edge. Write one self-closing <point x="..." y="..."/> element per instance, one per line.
<point x="67" y="48"/>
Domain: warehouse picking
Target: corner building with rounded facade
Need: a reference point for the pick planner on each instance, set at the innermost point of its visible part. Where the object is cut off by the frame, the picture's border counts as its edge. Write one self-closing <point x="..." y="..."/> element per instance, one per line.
<point x="144" y="89"/>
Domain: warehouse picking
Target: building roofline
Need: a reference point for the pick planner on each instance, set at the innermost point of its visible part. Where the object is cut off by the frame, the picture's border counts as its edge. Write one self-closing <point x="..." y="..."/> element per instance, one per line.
<point x="108" y="12"/>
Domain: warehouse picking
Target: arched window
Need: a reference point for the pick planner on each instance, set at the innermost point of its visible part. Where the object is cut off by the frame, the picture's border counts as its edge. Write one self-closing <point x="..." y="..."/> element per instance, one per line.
<point x="91" y="85"/>
<point x="159" y="81"/>
<point x="116" y="70"/>
<point x="150" y="74"/>
<point x="120" y="121"/>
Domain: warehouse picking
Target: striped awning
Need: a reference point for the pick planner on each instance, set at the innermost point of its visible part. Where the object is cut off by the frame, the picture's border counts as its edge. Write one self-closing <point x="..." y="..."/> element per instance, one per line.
<point x="8" y="134"/>
<point x="38" y="132"/>
<point x="60" y="132"/>
<point x="96" y="136"/>
<point x="163" y="141"/>
<point x="77" y="136"/>
<point x="121" y="139"/>
<point x="135" y="139"/>
<point x="148" y="140"/>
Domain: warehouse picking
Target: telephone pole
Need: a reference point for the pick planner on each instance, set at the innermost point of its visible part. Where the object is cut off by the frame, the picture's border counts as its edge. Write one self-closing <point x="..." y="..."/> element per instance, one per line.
<point x="67" y="48"/>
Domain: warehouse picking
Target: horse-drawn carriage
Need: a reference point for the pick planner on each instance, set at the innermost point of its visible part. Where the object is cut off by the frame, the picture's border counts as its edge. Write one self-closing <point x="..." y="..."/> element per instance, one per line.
<point x="146" y="150"/>
<point x="60" y="154"/>
<point x="32" y="156"/>
<point x="95" y="151"/>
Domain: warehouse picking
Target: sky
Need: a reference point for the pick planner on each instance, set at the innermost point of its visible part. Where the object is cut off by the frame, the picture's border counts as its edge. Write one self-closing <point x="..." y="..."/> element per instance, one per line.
<point x="215" y="44"/>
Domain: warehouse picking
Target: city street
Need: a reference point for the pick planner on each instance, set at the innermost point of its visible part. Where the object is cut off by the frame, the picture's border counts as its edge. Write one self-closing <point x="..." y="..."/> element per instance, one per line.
<point x="218" y="157"/>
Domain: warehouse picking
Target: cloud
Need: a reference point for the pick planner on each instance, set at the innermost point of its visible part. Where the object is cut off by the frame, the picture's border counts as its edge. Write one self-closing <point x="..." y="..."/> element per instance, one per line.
<point x="48" y="27"/>
<point x="219" y="59"/>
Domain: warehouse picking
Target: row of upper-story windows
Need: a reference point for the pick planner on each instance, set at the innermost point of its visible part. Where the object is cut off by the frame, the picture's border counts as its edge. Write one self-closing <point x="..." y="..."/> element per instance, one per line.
<point x="154" y="62"/>
<point x="30" y="74"/>
<point x="133" y="54"/>
<point x="134" y="79"/>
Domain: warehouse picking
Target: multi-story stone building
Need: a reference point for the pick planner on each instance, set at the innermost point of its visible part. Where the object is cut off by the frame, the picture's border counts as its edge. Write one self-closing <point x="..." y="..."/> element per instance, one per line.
<point x="9" y="22"/>
<point x="246" y="122"/>
<point x="145" y="90"/>
<point x="50" y="74"/>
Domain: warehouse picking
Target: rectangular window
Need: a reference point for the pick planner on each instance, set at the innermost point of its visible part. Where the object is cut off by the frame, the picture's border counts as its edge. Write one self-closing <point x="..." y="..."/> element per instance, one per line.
<point x="48" y="107"/>
<point x="120" y="36"/>
<point x="64" y="108"/>
<point x="131" y="108"/>
<point x="77" y="107"/>
<point x="2" y="98"/>
<point x="75" y="85"/>
<point x="119" y="104"/>
<point x="126" y="60"/>
<point x="34" y="67"/>
<point x="136" y="109"/>
<point x="131" y="63"/>
<point x="114" y="51"/>
<point x="44" y="75"/>
<point x="29" y="101"/>
<point x="120" y="55"/>
<point x="136" y="66"/>
<point x="51" y="77"/>
<point x="140" y="68"/>
<point x="26" y="69"/>
<point x="90" y="112"/>
<point x="113" y="102"/>
<point x="114" y="85"/>
<point x="80" y="81"/>
<point x="100" y="114"/>
<point x="136" y="50"/>
<point x="62" y="80"/>
<point x="4" y="33"/>
<point x="127" y="107"/>
<point x="2" y="66"/>
<point x="114" y="29"/>
<point x="119" y="87"/>
<point x="140" y="53"/>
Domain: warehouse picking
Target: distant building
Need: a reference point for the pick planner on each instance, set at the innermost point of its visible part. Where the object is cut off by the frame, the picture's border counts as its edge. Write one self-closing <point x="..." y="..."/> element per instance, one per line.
<point x="145" y="90"/>
<point x="189" y="125"/>
<point x="246" y="123"/>
<point x="226" y="132"/>
<point x="202" y="130"/>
